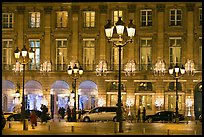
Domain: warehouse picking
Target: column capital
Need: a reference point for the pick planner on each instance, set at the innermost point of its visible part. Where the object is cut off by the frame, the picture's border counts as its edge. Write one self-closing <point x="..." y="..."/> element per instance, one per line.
<point x="48" y="9"/>
<point x="160" y="7"/>
<point x="103" y="8"/>
<point x="20" y="9"/>
<point x="190" y="6"/>
<point x="131" y="8"/>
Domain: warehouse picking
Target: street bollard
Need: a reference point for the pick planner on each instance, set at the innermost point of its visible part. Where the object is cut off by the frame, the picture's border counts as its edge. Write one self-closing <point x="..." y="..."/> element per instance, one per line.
<point x="195" y="132"/>
<point x="143" y="130"/>
<point x="49" y="127"/>
<point x="72" y="128"/>
<point x="167" y="131"/>
<point x="116" y="127"/>
<point x="9" y="124"/>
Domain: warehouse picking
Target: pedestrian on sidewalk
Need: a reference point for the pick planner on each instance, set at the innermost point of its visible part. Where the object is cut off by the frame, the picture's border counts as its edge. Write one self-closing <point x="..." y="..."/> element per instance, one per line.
<point x="138" y="115"/>
<point x="143" y="114"/>
<point x="33" y="119"/>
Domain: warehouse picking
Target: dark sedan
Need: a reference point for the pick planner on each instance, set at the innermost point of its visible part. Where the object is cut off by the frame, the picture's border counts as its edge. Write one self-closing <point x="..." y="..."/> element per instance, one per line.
<point x="164" y="116"/>
<point x="18" y="117"/>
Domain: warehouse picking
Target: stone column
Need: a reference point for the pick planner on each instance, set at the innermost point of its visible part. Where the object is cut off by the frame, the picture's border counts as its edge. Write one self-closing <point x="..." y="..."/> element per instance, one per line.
<point x="75" y="31"/>
<point x="190" y="26"/>
<point x="102" y="41"/>
<point x="20" y="26"/>
<point x="47" y="43"/>
<point x="160" y="29"/>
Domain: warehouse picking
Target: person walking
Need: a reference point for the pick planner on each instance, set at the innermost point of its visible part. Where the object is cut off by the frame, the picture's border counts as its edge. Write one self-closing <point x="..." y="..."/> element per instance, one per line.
<point x="143" y="114"/>
<point x="138" y="115"/>
<point x="33" y="119"/>
<point x="69" y="114"/>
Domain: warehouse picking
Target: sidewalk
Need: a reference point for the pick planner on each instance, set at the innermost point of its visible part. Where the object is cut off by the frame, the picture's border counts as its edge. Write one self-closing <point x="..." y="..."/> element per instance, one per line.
<point x="103" y="128"/>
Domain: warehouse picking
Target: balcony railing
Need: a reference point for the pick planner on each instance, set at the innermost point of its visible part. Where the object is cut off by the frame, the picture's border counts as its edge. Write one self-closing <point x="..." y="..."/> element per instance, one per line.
<point x="88" y="67"/>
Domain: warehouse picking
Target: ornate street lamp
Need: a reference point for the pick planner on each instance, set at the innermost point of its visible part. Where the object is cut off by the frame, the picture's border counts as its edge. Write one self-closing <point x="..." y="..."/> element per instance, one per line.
<point x="17" y="55"/>
<point x="74" y="72"/>
<point x="101" y="68"/>
<point x="177" y="72"/>
<point x="130" y="68"/>
<point x="120" y="27"/>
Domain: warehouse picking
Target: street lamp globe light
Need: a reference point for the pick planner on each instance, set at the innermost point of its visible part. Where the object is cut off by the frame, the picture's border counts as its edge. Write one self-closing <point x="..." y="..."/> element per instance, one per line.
<point x="109" y="30"/>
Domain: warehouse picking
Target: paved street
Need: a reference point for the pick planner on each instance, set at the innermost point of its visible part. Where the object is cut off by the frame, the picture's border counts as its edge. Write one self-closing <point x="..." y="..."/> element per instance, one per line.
<point x="104" y="128"/>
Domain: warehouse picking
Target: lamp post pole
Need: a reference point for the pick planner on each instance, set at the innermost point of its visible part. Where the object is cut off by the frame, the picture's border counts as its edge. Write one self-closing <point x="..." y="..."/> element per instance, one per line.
<point x="120" y="27"/>
<point x="24" y="54"/>
<point x="177" y="72"/>
<point x="74" y="72"/>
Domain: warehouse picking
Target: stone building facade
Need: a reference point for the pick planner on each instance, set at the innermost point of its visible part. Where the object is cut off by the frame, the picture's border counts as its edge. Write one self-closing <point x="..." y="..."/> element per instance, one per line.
<point x="61" y="33"/>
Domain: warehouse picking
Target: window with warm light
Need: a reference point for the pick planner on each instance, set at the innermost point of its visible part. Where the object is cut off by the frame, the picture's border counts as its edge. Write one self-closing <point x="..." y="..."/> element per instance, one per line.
<point x="61" y="19"/>
<point x="7" y="53"/>
<point x="61" y="54"/>
<point x="145" y="86"/>
<point x="116" y="14"/>
<point x="172" y="102"/>
<point x="172" y="86"/>
<point x="200" y="51"/>
<point x="175" y="50"/>
<point x="200" y="16"/>
<point x="145" y="53"/>
<point x="89" y="19"/>
<point x="7" y="20"/>
<point x="115" y="57"/>
<point x="88" y="53"/>
<point x="146" y="17"/>
<point x="145" y="101"/>
<point x="34" y="19"/>
<point x="35" y="62"/>
<point x="175" y="17"/>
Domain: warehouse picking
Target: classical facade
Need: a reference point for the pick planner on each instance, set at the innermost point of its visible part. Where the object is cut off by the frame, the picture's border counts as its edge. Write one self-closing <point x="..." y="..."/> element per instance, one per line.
<point x="62" y="34"/>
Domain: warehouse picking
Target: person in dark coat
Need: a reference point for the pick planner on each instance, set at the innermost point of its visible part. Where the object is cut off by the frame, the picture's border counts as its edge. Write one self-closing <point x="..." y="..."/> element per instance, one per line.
<point x="69" y="117"/>
<point x="138" y="115"/>
<point x="33" y="119"/>
<point x="143" y="114"/>
<point x="62" y="112"/>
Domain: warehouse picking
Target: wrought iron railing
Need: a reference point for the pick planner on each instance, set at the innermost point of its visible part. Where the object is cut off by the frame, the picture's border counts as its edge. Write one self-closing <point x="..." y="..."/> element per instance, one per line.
<point x="90" y="67"/>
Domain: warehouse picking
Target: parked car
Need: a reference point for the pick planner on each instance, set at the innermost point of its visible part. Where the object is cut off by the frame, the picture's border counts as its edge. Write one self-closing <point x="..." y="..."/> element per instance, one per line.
<point x="101" y="114"/>
<point x="3" y="121"/>
<point x="18" y="116"/>
<point x="164" y="116"/>
<point x="7" y="114"/>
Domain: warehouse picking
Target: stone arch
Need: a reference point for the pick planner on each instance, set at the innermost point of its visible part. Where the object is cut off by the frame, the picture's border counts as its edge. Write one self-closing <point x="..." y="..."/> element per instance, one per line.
<point x="8" y="92"/>
<point x="60" y="96"/>
<point x="33" y="95"/>
<point x="88" y="95"/>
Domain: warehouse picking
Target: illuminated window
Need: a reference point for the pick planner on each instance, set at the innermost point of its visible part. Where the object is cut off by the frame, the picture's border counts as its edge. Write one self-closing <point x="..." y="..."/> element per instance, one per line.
<point x="89" y="19"/>
<point x="145" y="86"/>
<point x="200" y="16"/>
<point x="172" y="102"/>
<point x="116" y="14"/>
<point x="172" y="86"/>
<point x="115" y="57"/>
<point x="34" y="19"/>
<point x="89" y="53"/>
<point x="145" y="101"/>
<point x="146" y="17"/>
<point x="145" y="53"/>
<point x="7" y="53"/>
<point x="175" y="17"/>
<point x="7" y="20"/>
<point x="175" y="50"/>
<point x="62" y="19"/>
<point x="35" y="62"/>
<point x="61" y="54"/>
